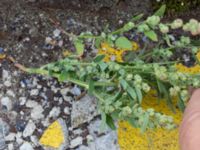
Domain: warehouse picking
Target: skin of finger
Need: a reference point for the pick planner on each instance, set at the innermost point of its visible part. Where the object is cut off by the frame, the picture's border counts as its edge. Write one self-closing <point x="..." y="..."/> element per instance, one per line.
<point x="189" y="136"/>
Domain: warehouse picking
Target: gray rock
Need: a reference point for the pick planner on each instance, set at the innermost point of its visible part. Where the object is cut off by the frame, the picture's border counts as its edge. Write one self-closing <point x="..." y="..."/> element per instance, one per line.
<point x="4" y="128"/>
<point x="56" y="32"/>
<point x="26" y="146"/>
<point x="76" y="142"/>
<point x="34" y="140"/>
<point x="83" y="110"/>
<point x="76" y="91"/>
<point x="55" y="112"/>
<point x="10" y="137"/>
<point x="31" y="104"/>
<point x="105" y="142"/>
<point x="22" y="100"/>
<point x="7" y="103"/>
<point x="34" y="92"/>
<point x="7" y="83"/>
<point x="2" y="143"/>
<point x="95" y="129"/>
<point x="11" y="146"/>
<point x="37" y="112"/>
<point x="48" y="40"/>
<point x="10" y="93"/>
<point x="83" y="147"/>
<point x="66" y="110"/>
<point x="30" y="128"/>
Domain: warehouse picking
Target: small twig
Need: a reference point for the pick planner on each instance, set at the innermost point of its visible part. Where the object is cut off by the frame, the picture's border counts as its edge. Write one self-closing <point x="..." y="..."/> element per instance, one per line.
<point x="19" y="66"/>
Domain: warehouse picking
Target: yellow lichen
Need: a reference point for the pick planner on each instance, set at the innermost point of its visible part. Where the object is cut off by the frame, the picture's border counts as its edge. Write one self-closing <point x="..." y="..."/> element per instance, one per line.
<point x="191" y="70"/>
<point x="131" y="138"/>
<point x="116" y="54"/>
<point x="53" y="136"/>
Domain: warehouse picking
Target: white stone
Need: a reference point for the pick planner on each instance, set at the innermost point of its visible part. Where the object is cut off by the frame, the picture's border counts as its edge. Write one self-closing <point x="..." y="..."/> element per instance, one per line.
<point x="29" y="129"/>
<point x="105" y="142"/>
<point x="76" y="142"/>
<point x="7" y="83"/>
<point x="26" y="146"/>
<point x="37" y="112"/>
<point x="31" y="104"/>
<point x="34" y="92"/>
<point x="48" y="40"/>
<point x="5" y="75"/>
<point x="55" y="112"/>
<point x="64" y="91"/>
<point x="10" y="137"/>
<point x="66" y="110"/>
<point x="89" y="138"/>
<point x="5" y="101"/>
<point x="34" y="140"/>
<point x="76" y="91"/>
<point x="22" y="100"/>
<point x="10" y="93"/>
<point x="56" y="32"/>
<point x="11" y="146"/>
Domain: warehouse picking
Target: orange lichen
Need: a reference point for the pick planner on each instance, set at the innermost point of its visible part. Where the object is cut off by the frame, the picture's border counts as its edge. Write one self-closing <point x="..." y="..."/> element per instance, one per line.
<point x="131" y="138"/>
<point x="113" y="53"/>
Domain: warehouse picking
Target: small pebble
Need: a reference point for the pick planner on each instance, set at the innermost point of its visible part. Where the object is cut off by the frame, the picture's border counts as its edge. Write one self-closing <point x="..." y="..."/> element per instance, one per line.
<point x="10" y="137"/>
<point x="34" y="92"/>
<point x="56" y="32"/>
<point x="11" y="146"/>
<point x="20" y="125"/>
<point x="6" y="103"/>
<point x="48" y="40"/>
<point x="76" y="91"/>
<point x="66" y="110"/>
<point x="37" y="113"/>
<point x="30" y="128"/>
<point x="76" y="142"/>
<point x="55" y="112"/>
<point x="26" y="146"/>
<point x="31" y="104"/>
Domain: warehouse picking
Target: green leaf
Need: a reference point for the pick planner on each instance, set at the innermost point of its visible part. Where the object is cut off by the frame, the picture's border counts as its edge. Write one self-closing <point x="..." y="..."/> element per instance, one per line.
<point x="161" y="11"/>
<point x="131" y="92"/>
<point x="123" y="43"/>
<point x="110" y="122"/>
<point x="145" y="123"/>
<point x="91" y="87"/>
<point x="99" y="58"/>
<point x="180" y="103"/>
<point x="79" y="47"/>
<point x="124" y="84"/>
<point x="163" y="90"/>
<point x="136" y="18"/>
<point x="63" y="76"/>
<point x="98" y="42"/>
<point x="139" y="95"/>
<point x="103" y="121"/>
<point x="102" y="66"/>
<point x="151" y="35"/>
<point x="132" y="122"/>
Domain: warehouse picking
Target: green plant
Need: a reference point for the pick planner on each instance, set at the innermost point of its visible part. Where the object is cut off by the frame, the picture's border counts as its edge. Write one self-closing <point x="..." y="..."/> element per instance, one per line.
<point x="120" y="87"/>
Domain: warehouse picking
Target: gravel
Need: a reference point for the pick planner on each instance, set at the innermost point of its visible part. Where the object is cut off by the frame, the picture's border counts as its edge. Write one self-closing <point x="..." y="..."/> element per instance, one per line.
<point x="26" y="146"/>
<point x="6" y="103"/>
<point x="37" y="112"/>
<point x="76" y="142"/>
<point x="83" y="111"/>
<point x="30" y="128"/>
